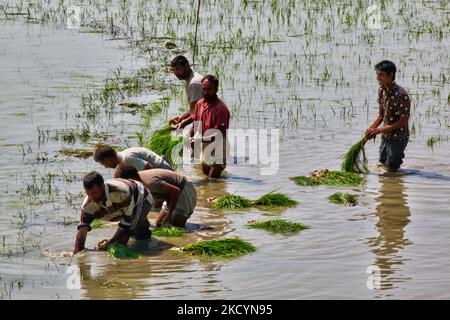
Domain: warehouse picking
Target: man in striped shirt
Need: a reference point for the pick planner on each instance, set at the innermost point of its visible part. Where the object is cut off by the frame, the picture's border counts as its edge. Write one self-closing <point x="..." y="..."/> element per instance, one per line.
<point x="127" y="201"/>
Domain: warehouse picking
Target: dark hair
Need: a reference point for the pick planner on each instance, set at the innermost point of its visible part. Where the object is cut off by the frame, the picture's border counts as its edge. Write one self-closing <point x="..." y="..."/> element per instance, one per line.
<point x="388" y="67"/>
<point x="103" y="153"/>
<point x="92" y="179"/>
<point x="125" y="171"/>
<point x="179" y="61"/>
<point x="212" y="79"/>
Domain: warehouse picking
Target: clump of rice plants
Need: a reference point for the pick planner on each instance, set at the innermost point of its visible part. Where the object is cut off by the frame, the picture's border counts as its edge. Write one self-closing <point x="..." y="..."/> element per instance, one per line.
<point x="345" y="199"/>
<point x="355" y="159"/>
<point x="330" y="178"/>
<point x="162" y="142"/>
<point x="220" y="248"/>
<point x="168" y="231"/>
<point x="119" y="251"/>
<point x="232" y="201"/>
<point x="275" y="199"/>
<point x="271" y="199"/>
<point x="278" y="226"/>
<point x="97" y="224"/>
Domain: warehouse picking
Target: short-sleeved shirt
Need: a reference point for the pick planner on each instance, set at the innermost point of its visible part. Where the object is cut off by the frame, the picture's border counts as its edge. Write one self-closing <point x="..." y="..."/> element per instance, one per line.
<point x="213" y="115"/>
<point x="194" y="87"/>
<point x="396" y="104"/>
<point x="154" y="180"/>
<point x="139" y="157"/>
<point x="120" y="192"/>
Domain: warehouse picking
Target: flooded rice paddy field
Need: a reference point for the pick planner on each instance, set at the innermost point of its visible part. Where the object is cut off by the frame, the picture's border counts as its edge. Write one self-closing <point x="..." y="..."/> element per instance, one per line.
<point x="303" y="67"/>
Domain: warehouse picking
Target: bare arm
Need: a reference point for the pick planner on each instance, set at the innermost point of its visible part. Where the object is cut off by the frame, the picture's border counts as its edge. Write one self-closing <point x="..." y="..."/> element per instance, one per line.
<point x="174" y="194"/>
<point x="80" y="239"/>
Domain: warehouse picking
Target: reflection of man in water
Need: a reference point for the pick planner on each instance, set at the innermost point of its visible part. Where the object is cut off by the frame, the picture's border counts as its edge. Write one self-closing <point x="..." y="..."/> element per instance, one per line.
<point x="393" y="216"/>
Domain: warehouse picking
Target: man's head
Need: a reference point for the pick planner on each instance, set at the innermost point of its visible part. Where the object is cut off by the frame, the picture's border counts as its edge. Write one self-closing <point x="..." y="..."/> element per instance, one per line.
<point x="210" y="86"/>
<point x="94" y="186"/>
<point x="180" y="67"/>
<point x="125" y="171"/>
<point x="386" y="71"/>
<point x="107" y="157"/>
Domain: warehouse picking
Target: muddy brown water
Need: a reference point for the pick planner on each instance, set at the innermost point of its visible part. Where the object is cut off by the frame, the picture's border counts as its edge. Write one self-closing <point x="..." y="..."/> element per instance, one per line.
<point x="399" y="229"/>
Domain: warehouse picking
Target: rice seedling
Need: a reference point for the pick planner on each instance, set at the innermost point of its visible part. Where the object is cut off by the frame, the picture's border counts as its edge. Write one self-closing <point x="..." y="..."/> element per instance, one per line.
<point x="276" y="199"/>
<point x="345" y="199"/>
<point x="77" y="153"/>
<point x="119" y="251"/>
<point x="278" y="226"/>
<point x="220" y="248"/>
<point x="330" y="178"/>
<point x="163" y="142"/>
<point x="232" y="201"/>
<point x="97" y="224"/>
<point x="355" y="159"/>
<point x="168" y="231"/>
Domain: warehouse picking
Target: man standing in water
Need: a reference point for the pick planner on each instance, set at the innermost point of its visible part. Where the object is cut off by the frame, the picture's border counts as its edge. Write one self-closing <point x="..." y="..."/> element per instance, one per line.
<point x="116" y="199"/>
<point x="212" y="121"/>
<point x="394" y="112"/>
<point x="182" y="70"/>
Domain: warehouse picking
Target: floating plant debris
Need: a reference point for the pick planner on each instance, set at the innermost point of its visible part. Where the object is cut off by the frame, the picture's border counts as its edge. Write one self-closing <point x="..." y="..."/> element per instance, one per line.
<point x="78" y="153"/>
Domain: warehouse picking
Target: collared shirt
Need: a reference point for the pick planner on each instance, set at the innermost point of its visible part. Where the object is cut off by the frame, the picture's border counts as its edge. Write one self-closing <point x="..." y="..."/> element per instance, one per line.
<point x="396" y="104"/>
<point x="213" y="115"/>
<point x="194" y="87"/>
<point x="120" y="193"/>
<point x="140" y="157"/>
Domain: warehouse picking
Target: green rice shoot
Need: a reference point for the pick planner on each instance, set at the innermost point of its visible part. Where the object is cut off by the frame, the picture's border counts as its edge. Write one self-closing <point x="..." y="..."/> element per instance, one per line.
<point x="97" y="224"/>
<point x="355" y="159"/>
<point x="330" y="178"/>
<point x="162" y="143"/>
<point x="279" y="226"/>
<point x="220" y="248"/>
<point x="276" y="199"/>
<point x="119" y="251"/>
<point x="168" y="231"/>
<point x="232" y="201"/>
<point x="271" y="199"/>
<point x="345" y="199"/>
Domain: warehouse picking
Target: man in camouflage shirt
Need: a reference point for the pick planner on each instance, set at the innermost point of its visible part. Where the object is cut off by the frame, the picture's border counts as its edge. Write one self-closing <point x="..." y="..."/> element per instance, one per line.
<point x="394" y="112"/>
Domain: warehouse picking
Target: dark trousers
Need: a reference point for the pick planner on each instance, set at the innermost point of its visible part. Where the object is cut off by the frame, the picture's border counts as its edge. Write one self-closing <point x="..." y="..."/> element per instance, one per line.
<point x="392" y="153"/>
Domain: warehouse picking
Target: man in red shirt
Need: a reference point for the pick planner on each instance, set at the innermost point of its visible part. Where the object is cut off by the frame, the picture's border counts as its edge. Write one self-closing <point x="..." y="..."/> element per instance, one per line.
<point x="214" y="118"/>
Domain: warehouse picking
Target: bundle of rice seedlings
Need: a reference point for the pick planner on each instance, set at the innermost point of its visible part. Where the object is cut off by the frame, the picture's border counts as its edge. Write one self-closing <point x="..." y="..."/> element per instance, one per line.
<point x="162" y="143"/>
<point x="221" y="248"/>
<point x="330" y="178"/>
<point x="119" y="251"/>
<point x="355" y="159"/>
<point x="168" y="231"/>
<point x="278" y="226"/>
<point x="276" y="199"/>
<point x="232" y="201"/>
<point x="346" y="199"/>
